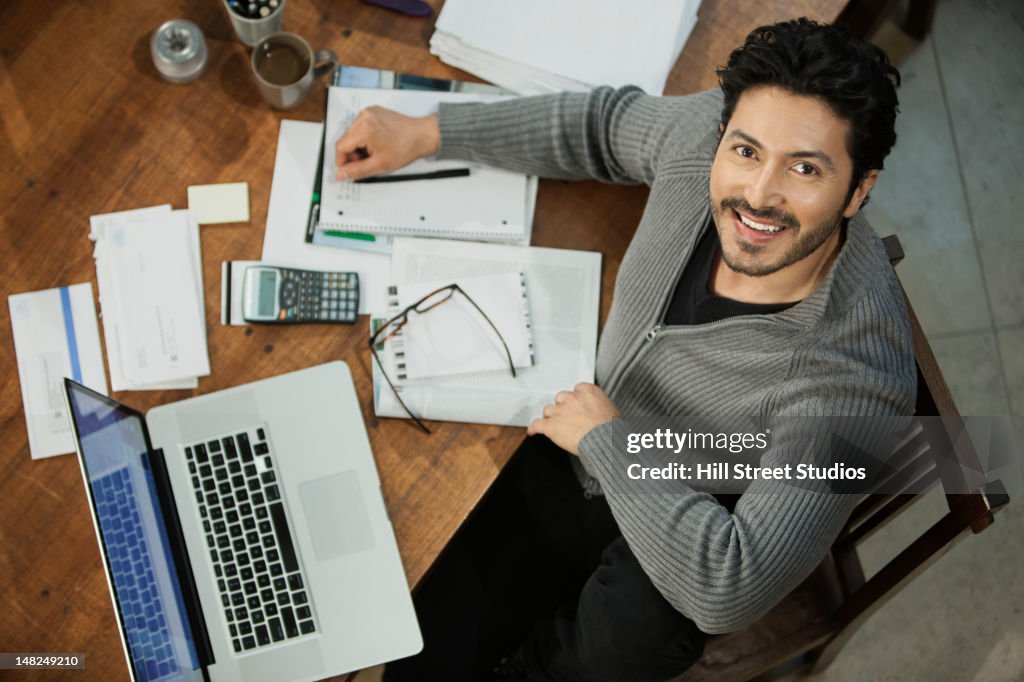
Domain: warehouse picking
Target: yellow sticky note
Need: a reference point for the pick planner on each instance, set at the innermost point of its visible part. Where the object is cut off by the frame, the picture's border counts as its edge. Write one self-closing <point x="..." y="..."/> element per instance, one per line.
<point x="223" y="203"/>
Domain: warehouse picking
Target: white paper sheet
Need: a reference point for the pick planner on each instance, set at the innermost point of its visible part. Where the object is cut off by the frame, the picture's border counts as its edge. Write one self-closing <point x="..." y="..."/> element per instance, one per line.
<point x="55" y="336"/>
<point x="160" y="321"/>
<point x="298" y="148"/>
<point x="454" y="338"/>
<point x="564" y="292"/>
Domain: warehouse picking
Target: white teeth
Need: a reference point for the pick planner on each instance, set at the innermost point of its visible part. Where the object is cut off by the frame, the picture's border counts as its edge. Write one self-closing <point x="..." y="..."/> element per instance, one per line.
<point x="758" y="226"/>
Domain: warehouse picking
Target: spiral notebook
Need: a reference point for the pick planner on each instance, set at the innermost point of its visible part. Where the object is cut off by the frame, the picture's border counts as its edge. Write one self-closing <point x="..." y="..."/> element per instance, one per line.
<point x="486" y="205"/>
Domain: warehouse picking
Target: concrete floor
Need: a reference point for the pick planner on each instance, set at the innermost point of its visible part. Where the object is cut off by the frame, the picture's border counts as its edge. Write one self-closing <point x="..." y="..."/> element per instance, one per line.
<point x="950" y="191"/>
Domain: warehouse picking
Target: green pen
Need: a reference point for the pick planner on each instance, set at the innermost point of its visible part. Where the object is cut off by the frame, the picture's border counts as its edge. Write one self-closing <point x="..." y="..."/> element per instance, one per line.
<point x="361" y="236"/>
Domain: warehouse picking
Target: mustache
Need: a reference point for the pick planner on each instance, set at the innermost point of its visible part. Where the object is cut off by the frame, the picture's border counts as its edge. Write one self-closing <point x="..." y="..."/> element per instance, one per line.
<point x="769" y="214"/>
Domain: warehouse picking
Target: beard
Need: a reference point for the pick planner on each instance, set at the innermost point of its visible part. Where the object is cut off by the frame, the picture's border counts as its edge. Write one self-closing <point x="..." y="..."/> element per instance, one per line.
<point x="802" y="245"/>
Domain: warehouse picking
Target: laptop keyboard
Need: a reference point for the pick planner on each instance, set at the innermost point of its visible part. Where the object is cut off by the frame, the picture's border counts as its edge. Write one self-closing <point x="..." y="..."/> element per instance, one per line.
<point x="131" y="568"/>
<point x="262" y="587"/>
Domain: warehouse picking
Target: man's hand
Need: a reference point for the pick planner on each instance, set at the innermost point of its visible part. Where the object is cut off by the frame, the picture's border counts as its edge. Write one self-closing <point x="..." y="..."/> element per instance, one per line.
<point x="380" y="140"/>
<point x="573" y="414"/>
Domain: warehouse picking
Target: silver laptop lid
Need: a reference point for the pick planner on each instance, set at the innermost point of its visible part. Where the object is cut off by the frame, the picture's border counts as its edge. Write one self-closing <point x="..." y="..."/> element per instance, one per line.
<point x="151" y="593"/>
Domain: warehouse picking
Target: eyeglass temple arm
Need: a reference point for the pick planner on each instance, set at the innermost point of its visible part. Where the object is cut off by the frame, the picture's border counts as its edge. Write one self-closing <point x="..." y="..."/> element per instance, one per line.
<point x="504" y="345"/>
<point x="373" y="352"/>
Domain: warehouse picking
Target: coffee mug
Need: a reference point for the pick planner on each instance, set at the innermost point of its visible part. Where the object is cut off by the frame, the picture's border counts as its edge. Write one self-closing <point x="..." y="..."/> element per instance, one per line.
<point x="285" y="67"/>
<point x="251" y="27"/>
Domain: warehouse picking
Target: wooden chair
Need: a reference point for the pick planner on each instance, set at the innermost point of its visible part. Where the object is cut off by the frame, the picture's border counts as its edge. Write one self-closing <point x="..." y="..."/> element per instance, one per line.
<point x="808" y="628"/>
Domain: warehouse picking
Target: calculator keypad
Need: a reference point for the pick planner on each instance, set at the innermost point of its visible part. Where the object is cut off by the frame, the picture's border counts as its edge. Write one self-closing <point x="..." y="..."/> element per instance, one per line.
<point x="308" y="296"/>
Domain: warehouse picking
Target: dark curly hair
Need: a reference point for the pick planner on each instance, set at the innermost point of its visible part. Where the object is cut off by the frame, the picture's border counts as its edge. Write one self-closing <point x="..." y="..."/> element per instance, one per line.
<point x="852" y="77"/>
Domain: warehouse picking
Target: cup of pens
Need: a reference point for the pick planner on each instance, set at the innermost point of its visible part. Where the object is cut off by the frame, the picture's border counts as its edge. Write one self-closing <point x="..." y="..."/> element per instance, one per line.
<point x="253" y="20"/>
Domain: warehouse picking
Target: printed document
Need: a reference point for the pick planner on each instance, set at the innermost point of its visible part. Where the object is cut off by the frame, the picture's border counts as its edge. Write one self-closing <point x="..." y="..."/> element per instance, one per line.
<point x="564" y="295"/>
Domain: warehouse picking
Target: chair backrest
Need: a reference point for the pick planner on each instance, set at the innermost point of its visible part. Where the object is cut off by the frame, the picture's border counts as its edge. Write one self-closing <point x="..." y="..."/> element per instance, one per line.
<point x="920" y="469"/>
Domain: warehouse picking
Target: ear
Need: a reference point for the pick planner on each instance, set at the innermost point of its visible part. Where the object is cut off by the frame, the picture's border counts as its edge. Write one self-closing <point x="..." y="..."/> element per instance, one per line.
<point x="860" y="193"/>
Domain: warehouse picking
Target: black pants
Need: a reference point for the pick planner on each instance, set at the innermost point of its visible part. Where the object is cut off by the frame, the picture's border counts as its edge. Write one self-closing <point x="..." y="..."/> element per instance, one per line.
<point x="543" y="570"/>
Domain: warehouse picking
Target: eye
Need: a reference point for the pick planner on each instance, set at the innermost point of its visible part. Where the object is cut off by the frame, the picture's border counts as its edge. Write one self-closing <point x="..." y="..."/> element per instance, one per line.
<point x="806" y="169"/>
<point x="745" y="151"/>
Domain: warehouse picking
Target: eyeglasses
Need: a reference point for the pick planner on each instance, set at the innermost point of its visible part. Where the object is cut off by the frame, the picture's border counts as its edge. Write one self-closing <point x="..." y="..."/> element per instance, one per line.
<point x="391" y="327"/>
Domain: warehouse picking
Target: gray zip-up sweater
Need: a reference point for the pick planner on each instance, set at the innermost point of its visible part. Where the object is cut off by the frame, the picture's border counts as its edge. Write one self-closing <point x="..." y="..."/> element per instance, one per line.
<point x="844" y="351"/>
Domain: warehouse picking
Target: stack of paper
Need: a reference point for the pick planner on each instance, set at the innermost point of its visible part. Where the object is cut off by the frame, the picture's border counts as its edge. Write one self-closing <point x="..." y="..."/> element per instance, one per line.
<point x="487" y="204"/>
<point x="562" y="319"/>
<point x="538" y="46"/>
<point x="151" y="296"/>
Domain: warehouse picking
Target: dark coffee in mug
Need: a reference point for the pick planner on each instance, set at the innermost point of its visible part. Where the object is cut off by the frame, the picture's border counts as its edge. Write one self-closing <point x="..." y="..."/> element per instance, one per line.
<point x="285" y="68"/>
<point x="281" y="63"/>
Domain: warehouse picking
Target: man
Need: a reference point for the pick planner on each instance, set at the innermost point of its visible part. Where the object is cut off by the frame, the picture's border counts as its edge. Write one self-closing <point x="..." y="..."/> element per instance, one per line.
<point x="752" y="288"/>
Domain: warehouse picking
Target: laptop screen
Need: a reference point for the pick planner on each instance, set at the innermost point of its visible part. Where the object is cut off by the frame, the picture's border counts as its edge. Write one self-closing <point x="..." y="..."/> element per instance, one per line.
<point x="147" y="592"/>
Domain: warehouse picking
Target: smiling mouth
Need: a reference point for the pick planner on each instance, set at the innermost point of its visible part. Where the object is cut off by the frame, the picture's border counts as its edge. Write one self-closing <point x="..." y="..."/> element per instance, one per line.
<point x="760" y="227"/>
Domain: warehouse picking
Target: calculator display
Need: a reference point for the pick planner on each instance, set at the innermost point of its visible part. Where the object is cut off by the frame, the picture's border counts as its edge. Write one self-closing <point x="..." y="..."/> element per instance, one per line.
<point x="268" y="293"/>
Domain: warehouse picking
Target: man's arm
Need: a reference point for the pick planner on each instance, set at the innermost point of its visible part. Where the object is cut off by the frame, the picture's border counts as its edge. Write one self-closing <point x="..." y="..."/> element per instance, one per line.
<point x="842" y="402"/>
<point x="725" y="570"/>
<point x="722" y="570"/>
<point x="609" y="135"/>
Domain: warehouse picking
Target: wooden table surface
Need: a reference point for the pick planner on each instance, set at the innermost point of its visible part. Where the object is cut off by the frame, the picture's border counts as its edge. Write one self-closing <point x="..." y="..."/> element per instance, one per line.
<point x="89" y="127"/>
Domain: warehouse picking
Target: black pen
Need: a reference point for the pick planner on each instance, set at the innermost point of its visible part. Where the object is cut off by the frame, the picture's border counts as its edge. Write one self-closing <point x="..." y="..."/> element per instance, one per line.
<point x="434" y="175"/>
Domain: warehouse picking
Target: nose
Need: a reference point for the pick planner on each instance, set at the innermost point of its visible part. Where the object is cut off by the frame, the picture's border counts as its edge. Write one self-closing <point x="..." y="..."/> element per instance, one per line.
<point x="763" y="190"/>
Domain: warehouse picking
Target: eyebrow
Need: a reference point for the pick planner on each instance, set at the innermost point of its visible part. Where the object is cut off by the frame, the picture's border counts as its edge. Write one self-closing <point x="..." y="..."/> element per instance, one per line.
<point x="824" y="158"/>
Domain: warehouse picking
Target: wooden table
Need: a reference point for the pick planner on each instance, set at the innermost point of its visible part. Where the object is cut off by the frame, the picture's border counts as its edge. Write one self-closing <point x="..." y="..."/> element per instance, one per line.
<point x="90" y="127"/>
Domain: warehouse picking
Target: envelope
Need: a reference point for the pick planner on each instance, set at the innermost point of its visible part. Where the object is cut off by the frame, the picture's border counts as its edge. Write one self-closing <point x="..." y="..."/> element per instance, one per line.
<point x="55" y="336"/>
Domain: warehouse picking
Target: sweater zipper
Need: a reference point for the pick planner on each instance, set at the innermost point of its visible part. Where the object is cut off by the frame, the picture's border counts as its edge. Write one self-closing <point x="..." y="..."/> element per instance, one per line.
<point x="659" y="327"/>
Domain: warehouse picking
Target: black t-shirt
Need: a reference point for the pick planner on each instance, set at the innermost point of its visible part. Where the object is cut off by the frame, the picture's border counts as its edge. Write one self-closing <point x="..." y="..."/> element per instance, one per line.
<point x="692" y="303"/>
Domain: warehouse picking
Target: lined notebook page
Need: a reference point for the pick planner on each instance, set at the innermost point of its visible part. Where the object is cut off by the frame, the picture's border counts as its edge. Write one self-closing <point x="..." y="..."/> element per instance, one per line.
<point x="488" y="205"/>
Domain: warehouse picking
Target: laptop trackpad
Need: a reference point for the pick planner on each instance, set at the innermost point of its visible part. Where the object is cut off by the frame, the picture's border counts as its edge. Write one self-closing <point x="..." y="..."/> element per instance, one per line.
<point x="336" y="515"/>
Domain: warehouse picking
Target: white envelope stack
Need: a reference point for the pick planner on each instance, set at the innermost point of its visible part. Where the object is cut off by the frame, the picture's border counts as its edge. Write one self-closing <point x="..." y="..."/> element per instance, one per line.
<point x="151" y="298"/>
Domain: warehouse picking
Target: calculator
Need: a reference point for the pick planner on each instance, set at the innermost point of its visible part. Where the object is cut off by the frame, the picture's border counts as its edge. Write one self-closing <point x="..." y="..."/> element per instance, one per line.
<point x="288" y="295"/>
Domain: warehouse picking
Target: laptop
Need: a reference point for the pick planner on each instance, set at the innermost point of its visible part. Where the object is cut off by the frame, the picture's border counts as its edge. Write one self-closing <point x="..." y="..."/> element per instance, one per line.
<point x="243" y="532"/>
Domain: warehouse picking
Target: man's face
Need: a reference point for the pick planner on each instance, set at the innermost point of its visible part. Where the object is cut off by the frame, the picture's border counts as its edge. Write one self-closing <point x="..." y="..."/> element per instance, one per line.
<point x="779" y="181"/>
